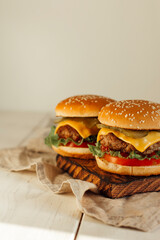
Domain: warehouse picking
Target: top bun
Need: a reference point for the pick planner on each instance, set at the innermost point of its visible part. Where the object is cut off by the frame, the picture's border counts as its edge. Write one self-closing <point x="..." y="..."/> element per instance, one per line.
<point x="131" y="114"/>
<point x="81" y="106"/>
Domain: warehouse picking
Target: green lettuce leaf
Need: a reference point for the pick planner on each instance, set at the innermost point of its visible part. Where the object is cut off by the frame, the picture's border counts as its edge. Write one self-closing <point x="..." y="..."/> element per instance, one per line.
<point x="133" y="154"/>
<point x="53" y="139"/>
<point x="96" y="151"/>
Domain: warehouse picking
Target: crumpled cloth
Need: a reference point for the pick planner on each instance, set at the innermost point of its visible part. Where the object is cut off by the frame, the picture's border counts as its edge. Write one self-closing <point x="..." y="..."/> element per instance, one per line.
<point x="140" y="211"/>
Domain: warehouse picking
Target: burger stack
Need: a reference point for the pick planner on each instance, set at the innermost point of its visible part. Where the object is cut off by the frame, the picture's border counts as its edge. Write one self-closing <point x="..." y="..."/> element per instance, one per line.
<point x="116" y="139"/>
<point x="77" y="127"/>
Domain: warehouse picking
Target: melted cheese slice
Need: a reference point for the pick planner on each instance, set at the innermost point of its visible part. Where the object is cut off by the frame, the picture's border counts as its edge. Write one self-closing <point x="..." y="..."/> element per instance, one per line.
<point x="141" y="144"/>
<point x="84" y="126"/>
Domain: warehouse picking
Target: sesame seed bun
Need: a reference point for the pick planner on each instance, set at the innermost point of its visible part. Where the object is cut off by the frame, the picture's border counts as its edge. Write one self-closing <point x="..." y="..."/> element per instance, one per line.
<point x="81" y="106"/>
<point x="76" y="152"/>
<point x="127" y="170"/>
<point x="131" y="114"/>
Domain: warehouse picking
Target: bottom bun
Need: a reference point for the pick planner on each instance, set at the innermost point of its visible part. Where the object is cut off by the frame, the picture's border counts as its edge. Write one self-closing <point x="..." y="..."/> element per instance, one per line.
<point x="83" y="153"/>
<point x="127" y="170"/>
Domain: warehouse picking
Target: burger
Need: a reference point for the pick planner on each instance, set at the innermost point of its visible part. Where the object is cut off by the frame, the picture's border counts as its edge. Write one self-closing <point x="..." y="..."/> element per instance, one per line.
<point x="77" y="126"/>
<point x="128" y="142"/>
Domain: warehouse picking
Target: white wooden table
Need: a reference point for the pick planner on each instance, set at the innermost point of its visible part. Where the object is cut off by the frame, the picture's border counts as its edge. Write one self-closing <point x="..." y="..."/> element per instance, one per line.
<point x="30" y="211"/>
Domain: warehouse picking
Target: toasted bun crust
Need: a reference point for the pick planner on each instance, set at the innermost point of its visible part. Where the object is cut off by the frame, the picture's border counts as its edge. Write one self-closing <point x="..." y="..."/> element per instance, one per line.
<point x="81" y="106"/>
<point x="131" y="114"/>
<point x="127" y="170"/>
<point x="83" y="153"/>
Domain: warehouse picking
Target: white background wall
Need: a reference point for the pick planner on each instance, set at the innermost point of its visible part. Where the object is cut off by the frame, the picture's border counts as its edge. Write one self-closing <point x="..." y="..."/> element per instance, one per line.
<point x="51" y="49"/>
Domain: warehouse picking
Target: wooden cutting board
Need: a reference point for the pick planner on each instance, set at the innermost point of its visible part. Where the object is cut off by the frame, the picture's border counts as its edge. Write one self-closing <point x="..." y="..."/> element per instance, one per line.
<point x="109" y="184"/>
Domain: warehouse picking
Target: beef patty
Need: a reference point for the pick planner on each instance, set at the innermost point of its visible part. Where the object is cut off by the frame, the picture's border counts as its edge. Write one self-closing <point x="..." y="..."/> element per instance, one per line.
<point x="116" y="144"/>
<point x="68" y="132"/>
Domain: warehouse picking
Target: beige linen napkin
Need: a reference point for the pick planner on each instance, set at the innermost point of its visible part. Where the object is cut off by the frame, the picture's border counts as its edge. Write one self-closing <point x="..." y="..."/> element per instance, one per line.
<point x="141" y="211"/>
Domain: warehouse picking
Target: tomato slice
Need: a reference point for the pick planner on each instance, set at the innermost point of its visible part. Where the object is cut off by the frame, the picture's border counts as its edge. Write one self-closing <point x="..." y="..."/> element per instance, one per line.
<point x="83" y="145"/>
<point x="131" y="162"/>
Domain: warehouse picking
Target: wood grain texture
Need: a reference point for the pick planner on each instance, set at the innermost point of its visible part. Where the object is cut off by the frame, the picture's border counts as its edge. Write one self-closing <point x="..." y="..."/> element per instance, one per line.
<point x="110" y="185"/>
<point x="92" y="229"/>
<point x="28" y="210"/>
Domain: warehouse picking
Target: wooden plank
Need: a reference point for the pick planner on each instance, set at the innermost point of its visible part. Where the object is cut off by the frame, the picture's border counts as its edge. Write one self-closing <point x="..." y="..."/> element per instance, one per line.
<point x="26" y="203"/>
<point x="109" y="184"/>
<point x="93" y="229"/>
<point x="27" y="209"/>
